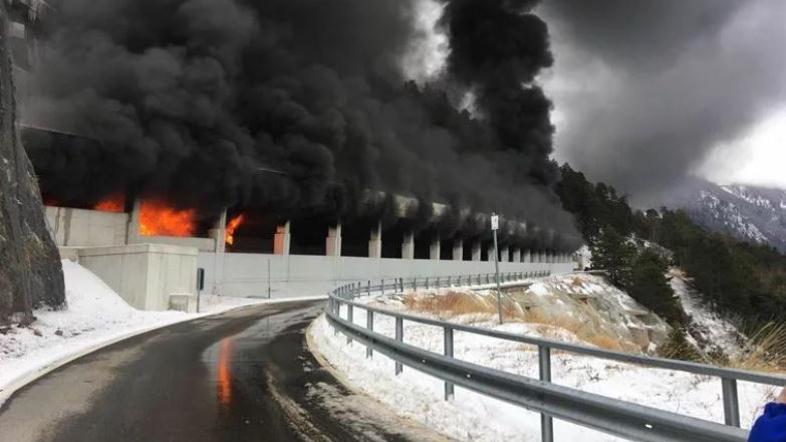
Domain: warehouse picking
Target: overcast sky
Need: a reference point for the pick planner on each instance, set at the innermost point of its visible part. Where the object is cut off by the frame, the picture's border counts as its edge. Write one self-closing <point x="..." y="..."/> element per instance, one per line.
<point x="648" y="92"/>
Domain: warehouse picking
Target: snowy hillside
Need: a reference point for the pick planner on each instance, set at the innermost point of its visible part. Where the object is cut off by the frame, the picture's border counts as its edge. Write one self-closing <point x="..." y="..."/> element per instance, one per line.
<point x="749" y="213"/>
<point x="708" y="331"/>
<point x="477" y="418"/>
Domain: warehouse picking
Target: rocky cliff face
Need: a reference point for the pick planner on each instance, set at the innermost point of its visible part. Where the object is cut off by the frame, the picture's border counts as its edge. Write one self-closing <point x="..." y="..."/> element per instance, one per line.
<point x="30" y="270"/>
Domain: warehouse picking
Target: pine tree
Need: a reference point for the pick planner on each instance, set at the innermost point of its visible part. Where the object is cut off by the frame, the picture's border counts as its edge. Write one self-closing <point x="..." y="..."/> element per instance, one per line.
<point x="649" y="286"/>
<point x="614" y="254"/>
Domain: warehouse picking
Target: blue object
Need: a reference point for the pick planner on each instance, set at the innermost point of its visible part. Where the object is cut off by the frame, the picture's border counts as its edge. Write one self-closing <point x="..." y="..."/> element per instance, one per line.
<point x="771" y="426"/>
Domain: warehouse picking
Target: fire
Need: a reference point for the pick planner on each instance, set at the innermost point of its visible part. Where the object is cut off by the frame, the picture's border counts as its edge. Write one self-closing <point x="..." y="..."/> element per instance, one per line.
<point x="113" y="203"/>
<point x="158" y="219"/>
<point x="234" y="223"/>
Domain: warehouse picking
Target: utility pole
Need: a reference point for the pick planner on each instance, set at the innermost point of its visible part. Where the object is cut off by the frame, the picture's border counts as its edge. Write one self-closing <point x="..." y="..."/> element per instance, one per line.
<point x="494" y="228"/>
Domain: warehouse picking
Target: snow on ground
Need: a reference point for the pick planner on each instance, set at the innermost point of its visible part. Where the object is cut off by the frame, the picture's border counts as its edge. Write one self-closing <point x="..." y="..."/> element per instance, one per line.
<point x="708" y="330"/>
<point x="474" y="417"/>
<point x="94" y="314"/>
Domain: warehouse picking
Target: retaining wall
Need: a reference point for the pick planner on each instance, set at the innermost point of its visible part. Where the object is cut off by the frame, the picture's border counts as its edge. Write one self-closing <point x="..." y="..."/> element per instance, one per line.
<point x="240" y="274"/>
<point x="144" y="275"/>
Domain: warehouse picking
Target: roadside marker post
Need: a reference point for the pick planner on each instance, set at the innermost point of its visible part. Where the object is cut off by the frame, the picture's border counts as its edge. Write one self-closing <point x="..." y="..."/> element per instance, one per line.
<point x="494" y="228"/>
<point x="200" y="285"/>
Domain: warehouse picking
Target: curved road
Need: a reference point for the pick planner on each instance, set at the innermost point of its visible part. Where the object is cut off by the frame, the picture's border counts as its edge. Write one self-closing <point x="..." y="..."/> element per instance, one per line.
<point x="246" y="375"/>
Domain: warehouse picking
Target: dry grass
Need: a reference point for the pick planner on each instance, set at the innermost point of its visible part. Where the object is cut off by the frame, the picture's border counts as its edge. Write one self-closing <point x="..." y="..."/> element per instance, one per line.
<point x="587" y="331"/>
<point x="767" y="350"/>
<point x="454" y="304"/>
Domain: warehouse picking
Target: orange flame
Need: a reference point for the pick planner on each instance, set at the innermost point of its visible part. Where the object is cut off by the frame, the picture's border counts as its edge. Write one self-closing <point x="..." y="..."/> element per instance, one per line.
<point x="234" y="223"/>
<point x="158" y="219"/>
<point x="115" y="203"/>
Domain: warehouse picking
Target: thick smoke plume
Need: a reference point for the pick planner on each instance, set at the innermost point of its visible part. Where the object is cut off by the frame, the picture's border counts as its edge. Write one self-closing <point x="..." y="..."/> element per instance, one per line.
<point x="189" y="99"/>
<point x="648" y="88"/>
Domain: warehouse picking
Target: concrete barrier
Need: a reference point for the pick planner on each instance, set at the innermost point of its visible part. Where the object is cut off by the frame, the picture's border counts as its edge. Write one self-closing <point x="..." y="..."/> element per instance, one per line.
<point x="240" y="274"/>
<point x="144" y="275"/>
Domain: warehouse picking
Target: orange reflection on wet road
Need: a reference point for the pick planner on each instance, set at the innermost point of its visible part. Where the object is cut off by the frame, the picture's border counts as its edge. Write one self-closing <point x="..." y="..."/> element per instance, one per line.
<point x="224" y="373"/>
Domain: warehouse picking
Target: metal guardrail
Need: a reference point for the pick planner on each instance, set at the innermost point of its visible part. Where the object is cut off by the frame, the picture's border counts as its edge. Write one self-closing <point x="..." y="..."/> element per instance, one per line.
<point x="612" y="416"/>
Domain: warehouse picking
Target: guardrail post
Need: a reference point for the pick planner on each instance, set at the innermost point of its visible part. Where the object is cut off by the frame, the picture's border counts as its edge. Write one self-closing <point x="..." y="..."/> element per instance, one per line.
<point x="449" y="282"/>
<point x="337" y="306"/>
<point x="368" y="289"/>
<point x="399" y="338"/>
<point x="382" y="286"/>
<point x="370" y="327"/>
<point x="401" y="283"/>
<point x="731" y="406"/>
<point x="350" y="320"/>
<point x="546" y="423"/>
<point x="438" y="284"/>
<point x="426" y="282"/>
<point x="414" y="283"/>
<point x="449" y="390"/>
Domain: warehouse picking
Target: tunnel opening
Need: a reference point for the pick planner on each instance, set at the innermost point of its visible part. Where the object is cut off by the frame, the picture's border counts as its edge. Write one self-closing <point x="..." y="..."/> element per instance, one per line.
<point x="355" y="238"/>
<point x="485" y="248"/>
<point x="309" y="235"/>
<point x="392" y="239"/>
<point x="423" y="244"/>
<point x="446" y="249"/>
<point x="254" y="234"/>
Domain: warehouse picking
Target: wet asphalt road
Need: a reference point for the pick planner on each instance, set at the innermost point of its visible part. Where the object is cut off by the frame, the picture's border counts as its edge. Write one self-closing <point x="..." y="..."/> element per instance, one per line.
<point x="246" y="375"/>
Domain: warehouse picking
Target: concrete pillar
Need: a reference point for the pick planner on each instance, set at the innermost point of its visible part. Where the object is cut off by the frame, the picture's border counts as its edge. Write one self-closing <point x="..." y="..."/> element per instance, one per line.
<point x="490" y="252"/>
<point x="219" y="233"/>
<point x="282" y="239"/>
<point x="333" y="241"/>
<point x="504" y="254"/>
<point x="527" y="257"/>
<point x="458" y="249"/>
<point x="133" y="235"/>
<point x="476" y="254"/>
<point x="408" y="246"/>
<point x="516" y="255"/>
<point x="375" y="241"/>
<point x="434" y="248"/>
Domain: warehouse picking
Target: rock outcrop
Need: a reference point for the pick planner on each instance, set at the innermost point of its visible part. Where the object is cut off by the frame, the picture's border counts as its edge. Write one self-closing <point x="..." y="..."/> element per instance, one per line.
<point x="30" y="271"/>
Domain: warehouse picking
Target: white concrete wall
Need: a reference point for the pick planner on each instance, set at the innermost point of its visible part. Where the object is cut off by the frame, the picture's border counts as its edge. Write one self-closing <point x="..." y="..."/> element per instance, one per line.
<point x="240" y="274"/>
<point x="86" y="228"/>
<point x="202" y="244"/>
<point x="144" y="275"/>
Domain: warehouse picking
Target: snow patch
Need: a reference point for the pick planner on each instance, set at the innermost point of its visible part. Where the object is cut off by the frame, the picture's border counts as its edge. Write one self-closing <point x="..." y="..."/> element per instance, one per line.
<point x="474" y="417"/>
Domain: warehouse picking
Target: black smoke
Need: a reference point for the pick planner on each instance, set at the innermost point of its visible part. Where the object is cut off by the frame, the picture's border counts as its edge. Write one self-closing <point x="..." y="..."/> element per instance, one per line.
<point x="649" y="88"/>
<point x="193" y="100"/>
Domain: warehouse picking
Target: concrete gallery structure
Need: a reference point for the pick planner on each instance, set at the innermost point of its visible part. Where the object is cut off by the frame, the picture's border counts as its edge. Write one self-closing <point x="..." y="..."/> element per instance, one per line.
<point x="152" y="271"/>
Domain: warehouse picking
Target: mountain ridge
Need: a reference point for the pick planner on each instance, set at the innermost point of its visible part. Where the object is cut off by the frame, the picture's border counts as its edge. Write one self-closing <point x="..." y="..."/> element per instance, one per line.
<point x="750" y="213"/>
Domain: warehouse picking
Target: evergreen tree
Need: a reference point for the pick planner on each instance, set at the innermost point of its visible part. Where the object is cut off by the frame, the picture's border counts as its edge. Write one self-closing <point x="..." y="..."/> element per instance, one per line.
<point x="678" y="347"/>
<point x="614" y="254"/>
<point x="649" y="286"/>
